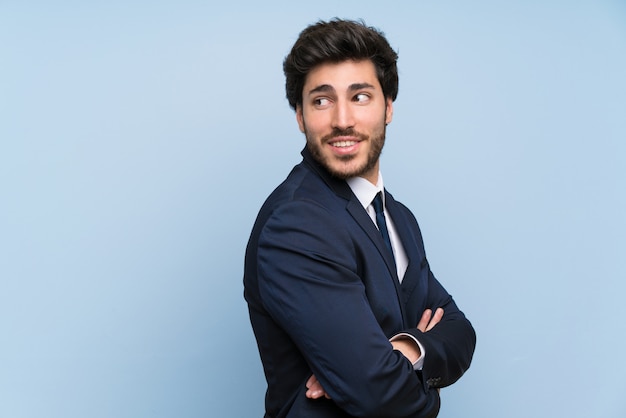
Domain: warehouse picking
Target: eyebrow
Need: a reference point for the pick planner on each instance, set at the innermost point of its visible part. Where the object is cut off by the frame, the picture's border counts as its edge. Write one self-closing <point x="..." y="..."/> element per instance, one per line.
<point x="327" y="88"/>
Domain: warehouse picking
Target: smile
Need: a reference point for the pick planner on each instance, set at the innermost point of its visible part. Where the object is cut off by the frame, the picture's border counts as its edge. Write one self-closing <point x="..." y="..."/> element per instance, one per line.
<point x="343" y="144"/>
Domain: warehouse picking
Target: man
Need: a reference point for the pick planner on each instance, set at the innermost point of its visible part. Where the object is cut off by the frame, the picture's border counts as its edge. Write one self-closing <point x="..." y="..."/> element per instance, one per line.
<point x="348" y="317"/>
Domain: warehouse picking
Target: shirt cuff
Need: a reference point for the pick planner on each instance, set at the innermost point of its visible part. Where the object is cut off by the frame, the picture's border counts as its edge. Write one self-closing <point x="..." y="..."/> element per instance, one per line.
<point x="420" y="361"/>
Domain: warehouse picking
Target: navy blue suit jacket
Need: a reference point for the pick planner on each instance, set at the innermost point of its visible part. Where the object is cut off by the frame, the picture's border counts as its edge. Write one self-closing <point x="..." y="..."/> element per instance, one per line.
<point x="324" y="298"/>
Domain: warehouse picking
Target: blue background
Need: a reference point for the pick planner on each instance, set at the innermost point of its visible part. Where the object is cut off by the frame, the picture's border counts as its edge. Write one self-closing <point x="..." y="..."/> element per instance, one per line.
<point x="139" y="139"/>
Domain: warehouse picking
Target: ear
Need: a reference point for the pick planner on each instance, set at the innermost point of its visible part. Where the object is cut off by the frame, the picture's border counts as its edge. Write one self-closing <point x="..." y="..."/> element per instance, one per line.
<point x="300" y="118"/>
<point x="388" y="111"/>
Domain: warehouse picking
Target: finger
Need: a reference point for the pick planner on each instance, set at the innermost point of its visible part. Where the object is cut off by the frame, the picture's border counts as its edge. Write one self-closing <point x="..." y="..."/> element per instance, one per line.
<point x="424" y="320"/>
<point x="312" y="380"/>
<point x="435" y="319"/>
<point x="315" y="391"/>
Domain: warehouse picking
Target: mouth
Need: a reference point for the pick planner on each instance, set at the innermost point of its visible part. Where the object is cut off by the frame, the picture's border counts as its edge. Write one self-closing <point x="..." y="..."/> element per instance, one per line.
<point x="343" y="143"/>
<point x="344" y="147"/>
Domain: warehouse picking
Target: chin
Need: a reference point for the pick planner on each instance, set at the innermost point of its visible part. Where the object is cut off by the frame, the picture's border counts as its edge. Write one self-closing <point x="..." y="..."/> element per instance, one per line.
<point x="346" y="172"/>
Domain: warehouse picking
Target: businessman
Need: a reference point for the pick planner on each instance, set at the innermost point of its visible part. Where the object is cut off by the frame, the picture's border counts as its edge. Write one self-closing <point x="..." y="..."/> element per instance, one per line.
<point x="348" y="317"/>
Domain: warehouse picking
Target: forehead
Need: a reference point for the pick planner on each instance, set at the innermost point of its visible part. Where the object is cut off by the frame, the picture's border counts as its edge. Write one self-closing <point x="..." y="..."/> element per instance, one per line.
<point x="342" y="75"/>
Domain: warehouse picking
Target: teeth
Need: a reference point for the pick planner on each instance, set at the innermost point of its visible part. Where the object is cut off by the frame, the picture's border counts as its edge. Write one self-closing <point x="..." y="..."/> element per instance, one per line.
<point x="342" y="144"/>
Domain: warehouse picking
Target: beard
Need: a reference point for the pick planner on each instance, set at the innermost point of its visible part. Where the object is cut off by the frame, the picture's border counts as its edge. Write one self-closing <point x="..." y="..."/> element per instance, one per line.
<point x="339" y="166"/>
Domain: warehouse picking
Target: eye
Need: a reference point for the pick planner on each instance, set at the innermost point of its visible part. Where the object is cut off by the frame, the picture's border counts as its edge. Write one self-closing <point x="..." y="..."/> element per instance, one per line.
<point x="362" y="98"/>
<point x="321" y="102"/>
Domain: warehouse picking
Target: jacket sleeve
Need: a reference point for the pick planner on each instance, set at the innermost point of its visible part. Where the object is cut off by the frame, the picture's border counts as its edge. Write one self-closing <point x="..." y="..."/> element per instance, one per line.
<point x="309" y="284"/>
<point x="449" y="346"/>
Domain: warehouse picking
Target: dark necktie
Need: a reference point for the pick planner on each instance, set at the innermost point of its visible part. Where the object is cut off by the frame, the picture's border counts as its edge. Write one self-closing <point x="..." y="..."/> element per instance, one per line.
<point x="377" y="203"/>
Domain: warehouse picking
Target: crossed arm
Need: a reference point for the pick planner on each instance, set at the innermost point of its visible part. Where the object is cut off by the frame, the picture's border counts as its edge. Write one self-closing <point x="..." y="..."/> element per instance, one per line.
<point x="406" y="346"/>
<point x="309" y="281"/>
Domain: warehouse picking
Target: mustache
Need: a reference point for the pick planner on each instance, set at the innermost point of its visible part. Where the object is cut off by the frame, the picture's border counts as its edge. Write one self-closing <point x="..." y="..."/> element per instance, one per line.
<point x="337" y="132"/>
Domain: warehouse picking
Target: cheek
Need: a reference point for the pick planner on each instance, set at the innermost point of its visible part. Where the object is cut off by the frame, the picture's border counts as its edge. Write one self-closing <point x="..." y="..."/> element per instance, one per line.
<point x="314" y="125"/>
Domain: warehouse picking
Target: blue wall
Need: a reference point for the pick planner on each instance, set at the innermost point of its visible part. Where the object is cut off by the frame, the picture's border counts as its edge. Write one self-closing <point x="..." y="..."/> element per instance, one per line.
<point x="138" y="140"/>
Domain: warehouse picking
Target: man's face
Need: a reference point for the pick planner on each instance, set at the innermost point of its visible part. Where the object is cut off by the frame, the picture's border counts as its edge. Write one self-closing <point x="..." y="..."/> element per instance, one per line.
<point x="343" y="116"/>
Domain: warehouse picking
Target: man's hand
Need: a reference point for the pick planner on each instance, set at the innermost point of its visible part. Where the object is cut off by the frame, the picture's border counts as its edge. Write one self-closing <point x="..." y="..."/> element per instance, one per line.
<point x="315" y="389"/>
<point x="407" y="347"/>
<point x="428" y="320"/>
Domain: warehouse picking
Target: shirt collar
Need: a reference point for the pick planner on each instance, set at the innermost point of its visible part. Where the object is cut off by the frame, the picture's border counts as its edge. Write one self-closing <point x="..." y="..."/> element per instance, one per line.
<point x="364" y="190"/>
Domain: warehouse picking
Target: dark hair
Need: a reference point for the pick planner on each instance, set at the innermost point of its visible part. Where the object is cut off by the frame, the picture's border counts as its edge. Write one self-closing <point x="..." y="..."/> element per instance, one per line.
<point x="335" y="41"/>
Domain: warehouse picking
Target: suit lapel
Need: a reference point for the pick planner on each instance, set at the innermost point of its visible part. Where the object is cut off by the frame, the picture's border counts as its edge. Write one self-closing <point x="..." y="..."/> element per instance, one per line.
<point x="360" y="215"/>
<point x="341" y="189"/>
<point x="413" y="249"/>
<point x="356" y="210"/>
<point x="365" y="222"/>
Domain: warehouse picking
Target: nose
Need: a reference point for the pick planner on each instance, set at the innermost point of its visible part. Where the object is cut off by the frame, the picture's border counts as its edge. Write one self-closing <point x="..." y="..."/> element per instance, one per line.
<point x="343" y="117"/>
